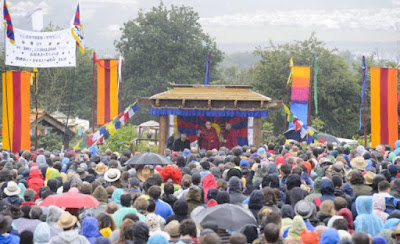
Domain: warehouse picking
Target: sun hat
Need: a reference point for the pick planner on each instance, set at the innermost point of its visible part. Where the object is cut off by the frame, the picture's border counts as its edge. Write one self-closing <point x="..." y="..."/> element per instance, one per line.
<point x="358" y="163"/>
<point x="112" y="175"/>
<point x="144" y="173"/>
<point x="100" y="168"/>
<point x="172" y="228"/>
<point x="304" y="209"/>
<point x="67" y="220"/>
<point x="369" y="177"/>
<point x="12" y="189"/>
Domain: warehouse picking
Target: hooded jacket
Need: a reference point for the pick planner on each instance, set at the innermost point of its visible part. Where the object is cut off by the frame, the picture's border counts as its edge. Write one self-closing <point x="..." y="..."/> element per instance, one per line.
<point x="41" y="234"/>
<point x="366" y="221"/>
<point x="327" y="190"/>
<point x="193" y="198"/>
<point x="90" y="229"/>
<point x="207" y="183"/>
<point x="14" y="200"/>
<point x="287" y="216"/>
<point x="379" y="205"/>
<point x="235" y="191"/>
<point x="116" y="196"/>
<point x="256" y="202"/>
<point x="120" y="214"/>
<point x="35" y="181"/>
<point x="347" y="215"/>
<point x="69" y="237"/>
<point x="329" y="236"/>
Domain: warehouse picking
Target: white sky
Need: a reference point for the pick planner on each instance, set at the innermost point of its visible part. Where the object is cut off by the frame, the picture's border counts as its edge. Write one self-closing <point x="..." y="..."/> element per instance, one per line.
<point x="235" y="25"/>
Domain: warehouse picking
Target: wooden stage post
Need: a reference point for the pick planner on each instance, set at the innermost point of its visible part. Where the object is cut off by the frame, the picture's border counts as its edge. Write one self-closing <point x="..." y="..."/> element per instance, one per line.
<point x="163" y="133"/>
<point x="257" y="131"/>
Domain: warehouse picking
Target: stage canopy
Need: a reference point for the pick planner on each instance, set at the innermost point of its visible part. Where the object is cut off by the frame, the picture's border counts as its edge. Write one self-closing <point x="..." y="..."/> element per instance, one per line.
<point x="208" y="102"/>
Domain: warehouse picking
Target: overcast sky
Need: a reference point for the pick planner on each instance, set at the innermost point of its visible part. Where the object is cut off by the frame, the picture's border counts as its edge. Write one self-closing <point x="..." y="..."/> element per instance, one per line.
<point x="237" y="25"/>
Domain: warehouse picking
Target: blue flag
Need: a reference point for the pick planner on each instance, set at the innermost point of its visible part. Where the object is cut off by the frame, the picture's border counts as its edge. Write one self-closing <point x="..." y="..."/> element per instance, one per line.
<point x="207" y="77"/>
<point x="364" y="67"/>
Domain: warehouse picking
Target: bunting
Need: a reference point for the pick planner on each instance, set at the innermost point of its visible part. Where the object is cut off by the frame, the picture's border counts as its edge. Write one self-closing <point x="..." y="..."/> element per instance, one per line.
<point x="16" y="111"/>
<point x="107" y="90"/>
<point x="104" y="132"/>
<point x="384" y="113"/>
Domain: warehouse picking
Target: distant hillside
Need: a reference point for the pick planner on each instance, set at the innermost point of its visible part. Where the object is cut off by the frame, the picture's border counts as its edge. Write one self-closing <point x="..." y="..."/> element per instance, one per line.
<point x="242" y="60"/>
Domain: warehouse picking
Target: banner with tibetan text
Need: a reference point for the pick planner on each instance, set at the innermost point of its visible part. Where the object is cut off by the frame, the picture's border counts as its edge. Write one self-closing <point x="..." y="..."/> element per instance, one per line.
<point x="41" y="49"/>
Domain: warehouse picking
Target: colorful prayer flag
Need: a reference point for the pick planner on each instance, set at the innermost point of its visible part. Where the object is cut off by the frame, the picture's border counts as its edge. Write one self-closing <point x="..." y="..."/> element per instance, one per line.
<point x="207" y="77"/>
<point x="8" y="23"/>
<point x="16" y="111"/>
<point x="384" y="113"/>
<point x="300" y="90"/>
<point x="77" y="30"/>
<point x="107" y="90"/>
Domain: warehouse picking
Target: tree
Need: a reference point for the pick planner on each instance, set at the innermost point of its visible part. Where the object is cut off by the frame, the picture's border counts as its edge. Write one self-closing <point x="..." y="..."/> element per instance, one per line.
<point x="165" y="46"/>
<point x="338" y="87"/>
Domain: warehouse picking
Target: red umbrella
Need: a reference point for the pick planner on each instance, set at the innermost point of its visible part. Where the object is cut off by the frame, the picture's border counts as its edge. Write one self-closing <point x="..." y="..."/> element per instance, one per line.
<point x="70" y="200"/>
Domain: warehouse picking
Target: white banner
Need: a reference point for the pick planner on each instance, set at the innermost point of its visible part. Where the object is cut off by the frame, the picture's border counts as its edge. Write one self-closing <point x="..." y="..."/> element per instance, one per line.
<point x="41" y="49"/>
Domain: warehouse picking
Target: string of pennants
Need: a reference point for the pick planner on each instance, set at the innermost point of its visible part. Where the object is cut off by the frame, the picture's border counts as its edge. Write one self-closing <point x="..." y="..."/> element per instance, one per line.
<point x="305" y="131"/>
<point x="107" y="130"/>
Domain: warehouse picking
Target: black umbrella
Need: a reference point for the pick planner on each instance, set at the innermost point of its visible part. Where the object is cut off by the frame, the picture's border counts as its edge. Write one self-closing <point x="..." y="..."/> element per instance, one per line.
<point x="148" y="158"/>
<point x="226" y="216"/>
<point x="329" y="138"/>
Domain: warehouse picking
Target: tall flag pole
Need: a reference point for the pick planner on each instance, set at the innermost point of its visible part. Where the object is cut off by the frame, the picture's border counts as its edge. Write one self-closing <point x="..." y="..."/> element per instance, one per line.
<point x="207" y="77"/>
<point x="287" y="85"/>
<point x="120" y="81"/>
<point x="310" y="94"/>
<point x="77" y="30"/>
<point x="315" y="81"/>
<point x="364" y="68"/>
<point x="8" y="23"/>
<point x="94" y="90"/>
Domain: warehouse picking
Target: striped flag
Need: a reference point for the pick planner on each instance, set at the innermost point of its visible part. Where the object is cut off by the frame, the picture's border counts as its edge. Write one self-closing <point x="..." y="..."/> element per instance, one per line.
<point x="77" y="30"/>
<point x="107" y="90"/>
<point x="8" y="23"/>
<point x="300" y="90"/>
<point x="384" y="113"/>
<point x="16" y="111"/>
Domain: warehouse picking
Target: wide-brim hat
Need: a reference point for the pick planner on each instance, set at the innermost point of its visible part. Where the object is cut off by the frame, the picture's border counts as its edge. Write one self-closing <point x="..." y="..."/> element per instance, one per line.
<point x="12" y="189"/>
<point x="5" y="222"/>
<point x="100" y="168"/>
<point x="369" y="177"/>
<point x="304" y="209"/>
<point x="144" y="173"/>
<point x="67" y="220"/>
<point x="358" y="163"/>
<point x="112" y="175"/>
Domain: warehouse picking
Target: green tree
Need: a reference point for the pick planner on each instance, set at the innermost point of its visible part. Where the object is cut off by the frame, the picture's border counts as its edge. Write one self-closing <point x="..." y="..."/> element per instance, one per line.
<point x="164" y="46"/>
<point x="338" y="87"/>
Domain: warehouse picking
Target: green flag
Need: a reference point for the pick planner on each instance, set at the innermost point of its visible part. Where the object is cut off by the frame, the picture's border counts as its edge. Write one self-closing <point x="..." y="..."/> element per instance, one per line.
<point x="315" y="85"/>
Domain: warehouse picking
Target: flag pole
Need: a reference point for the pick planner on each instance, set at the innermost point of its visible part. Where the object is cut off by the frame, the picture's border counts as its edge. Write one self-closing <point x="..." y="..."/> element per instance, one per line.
<point x="94" y="90"/>
<point x="6" y="89"/>
<point x="69" y="102"/>
<point x="36" y="111"/>
<point x="287" y="96"/>
<point x="364" y="114"/>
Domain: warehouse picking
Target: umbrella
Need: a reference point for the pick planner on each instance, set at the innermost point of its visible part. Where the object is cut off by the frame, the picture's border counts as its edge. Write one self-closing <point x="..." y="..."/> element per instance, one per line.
<point x="226" y="216"/>
<point x="70" y="200"/>
<point x="329" y="138"/>
<point x="293" y="135"/>
<point x="148" y="158"/>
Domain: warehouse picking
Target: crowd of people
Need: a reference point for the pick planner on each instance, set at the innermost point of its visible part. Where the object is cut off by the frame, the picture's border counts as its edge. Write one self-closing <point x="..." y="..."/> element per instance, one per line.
<point x="320" y="193"/>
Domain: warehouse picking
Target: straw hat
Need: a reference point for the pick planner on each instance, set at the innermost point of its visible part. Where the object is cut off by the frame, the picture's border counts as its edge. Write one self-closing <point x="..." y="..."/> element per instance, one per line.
<point x="112" y="175"/>
<point x="358" y="163"/>
<point x="145" y="173"/>
<point x="12" y="189"/>
<point x="67" y="220"/>
<point x="100" y="168"/>
<point x="369" y="177"/>
<point x="172" y="228"/>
